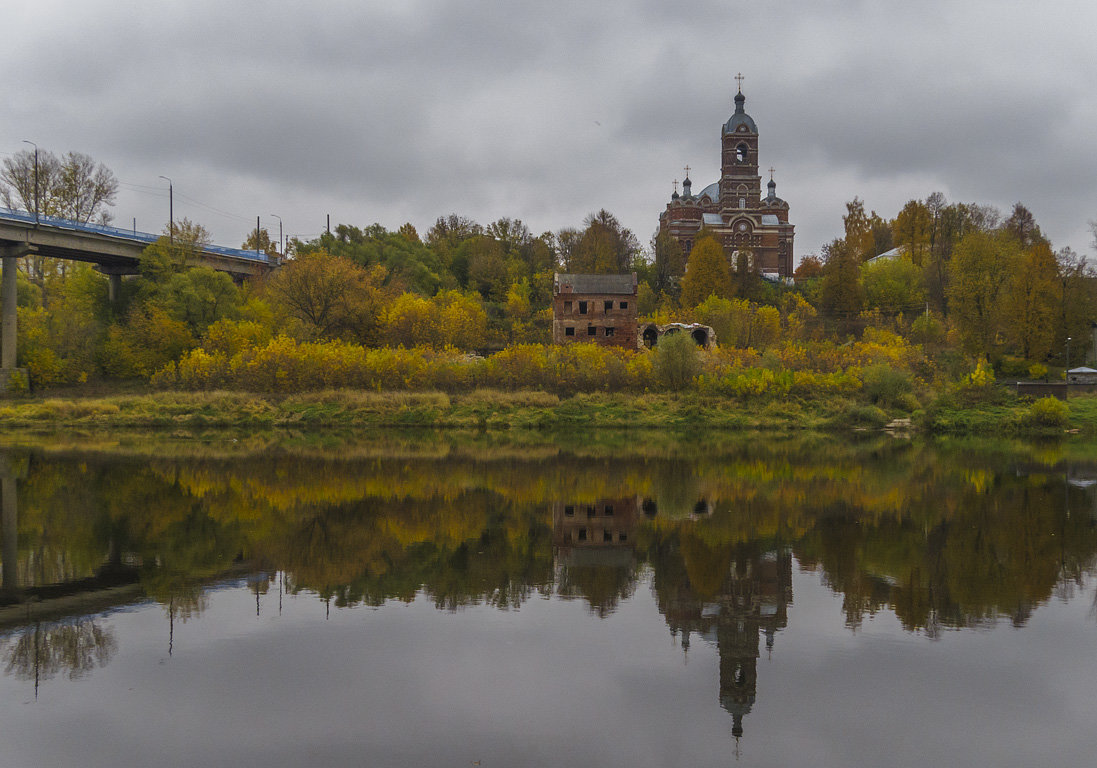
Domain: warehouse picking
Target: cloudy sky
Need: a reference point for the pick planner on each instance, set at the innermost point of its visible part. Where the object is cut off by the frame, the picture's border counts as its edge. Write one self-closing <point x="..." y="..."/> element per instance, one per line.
<point x="406" y="110"/>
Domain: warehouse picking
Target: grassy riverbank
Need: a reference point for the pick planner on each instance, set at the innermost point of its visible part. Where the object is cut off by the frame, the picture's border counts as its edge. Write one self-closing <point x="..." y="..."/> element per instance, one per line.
<point x="498" y="410"/>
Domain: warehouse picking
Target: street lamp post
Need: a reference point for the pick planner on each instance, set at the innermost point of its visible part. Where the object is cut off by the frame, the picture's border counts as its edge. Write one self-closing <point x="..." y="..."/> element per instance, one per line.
<point x="171" y="210"/>
<point x="1066" y="374"/>
<point x="35" y="178"/>
<point x="281" y="244"/>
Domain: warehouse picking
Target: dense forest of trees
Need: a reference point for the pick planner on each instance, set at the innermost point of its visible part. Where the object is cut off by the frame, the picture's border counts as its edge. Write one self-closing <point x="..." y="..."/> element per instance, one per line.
<point x="961" y="282"/>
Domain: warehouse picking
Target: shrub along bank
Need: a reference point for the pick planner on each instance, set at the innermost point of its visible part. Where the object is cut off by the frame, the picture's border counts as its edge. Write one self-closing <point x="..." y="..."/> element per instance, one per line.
<point x="536" y="410"/>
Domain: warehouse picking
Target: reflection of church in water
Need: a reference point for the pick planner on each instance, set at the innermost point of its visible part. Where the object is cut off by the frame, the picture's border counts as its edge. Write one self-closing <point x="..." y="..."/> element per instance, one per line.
<point x="745" y="603"/>
<point x="750" y="603"/>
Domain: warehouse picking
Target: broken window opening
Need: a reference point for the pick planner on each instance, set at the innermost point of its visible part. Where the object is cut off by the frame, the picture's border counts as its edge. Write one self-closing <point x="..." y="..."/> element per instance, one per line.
<point x="591" y="330"/>
<point x="569" y="510"/>
<point x="609" y="330"/>
<point x="608" y="305"/>
<point x="582" y="534"/>
<point x="582" y="307"/>
<point x="569" y="331"/>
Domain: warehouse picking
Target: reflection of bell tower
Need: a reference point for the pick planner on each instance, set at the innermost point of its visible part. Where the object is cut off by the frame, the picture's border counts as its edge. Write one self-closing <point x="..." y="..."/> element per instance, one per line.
<point x="738" y="643"/>
<point x="751" y="601"/>
<point x="755" y="601"/>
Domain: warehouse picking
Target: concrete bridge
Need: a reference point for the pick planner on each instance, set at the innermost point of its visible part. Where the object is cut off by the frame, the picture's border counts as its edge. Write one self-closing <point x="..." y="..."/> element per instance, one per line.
<point x="115" y="252"/>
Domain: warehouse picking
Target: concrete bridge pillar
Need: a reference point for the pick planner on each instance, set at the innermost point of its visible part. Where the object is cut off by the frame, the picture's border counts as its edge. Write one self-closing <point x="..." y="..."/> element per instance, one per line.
<point x="114" y="288"/>
<point x="114" y="275"/>
<point x="9" y="258"/>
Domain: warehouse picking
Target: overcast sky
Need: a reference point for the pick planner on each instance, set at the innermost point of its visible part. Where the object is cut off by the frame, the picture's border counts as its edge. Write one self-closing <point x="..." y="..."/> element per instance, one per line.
<point x="406" y="110"/>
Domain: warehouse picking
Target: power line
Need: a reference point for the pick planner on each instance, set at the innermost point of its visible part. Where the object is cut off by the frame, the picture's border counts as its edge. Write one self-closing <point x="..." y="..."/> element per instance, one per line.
<point x="158" y="192"/>
<point x="208" y="207"/>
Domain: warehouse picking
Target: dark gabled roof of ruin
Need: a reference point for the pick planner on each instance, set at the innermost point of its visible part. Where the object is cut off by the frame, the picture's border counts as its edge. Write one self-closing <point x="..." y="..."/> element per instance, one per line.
<point x="574" y="283"/>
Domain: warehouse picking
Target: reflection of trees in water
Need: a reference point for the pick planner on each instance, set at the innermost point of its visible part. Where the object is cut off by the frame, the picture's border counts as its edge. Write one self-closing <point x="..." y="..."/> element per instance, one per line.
<point x="45" y="650"/>
<point x="472" y="548"/>
<point x="1000" y="552"/>
<point x="941" y="542"/>
<point x="602" y="586"/>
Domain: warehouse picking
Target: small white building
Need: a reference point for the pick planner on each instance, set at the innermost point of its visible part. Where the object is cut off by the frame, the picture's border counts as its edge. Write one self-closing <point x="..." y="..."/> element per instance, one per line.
<point x="1082" y="375"/>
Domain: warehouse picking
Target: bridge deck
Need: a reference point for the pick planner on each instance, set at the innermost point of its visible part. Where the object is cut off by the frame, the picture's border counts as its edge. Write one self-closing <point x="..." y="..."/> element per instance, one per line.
<point x="111" y="247"/>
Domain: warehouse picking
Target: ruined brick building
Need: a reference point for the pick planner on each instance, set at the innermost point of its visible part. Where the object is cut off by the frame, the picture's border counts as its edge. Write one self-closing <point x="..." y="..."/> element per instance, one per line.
<point x="733" y="208"/>
<point x="594" y="308"/>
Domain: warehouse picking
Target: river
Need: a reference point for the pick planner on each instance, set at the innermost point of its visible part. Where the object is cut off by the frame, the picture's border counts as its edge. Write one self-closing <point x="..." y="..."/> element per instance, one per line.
<point x="422" y="599"/>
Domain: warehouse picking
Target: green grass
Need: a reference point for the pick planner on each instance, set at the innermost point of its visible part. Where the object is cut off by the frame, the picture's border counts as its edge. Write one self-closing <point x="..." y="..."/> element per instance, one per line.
<point x="526" y="410"/>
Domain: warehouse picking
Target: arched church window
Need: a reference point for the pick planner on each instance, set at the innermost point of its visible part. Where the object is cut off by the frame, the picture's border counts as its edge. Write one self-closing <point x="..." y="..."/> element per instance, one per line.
<point x="742" y="202"/>
<point x="741" y="153"/>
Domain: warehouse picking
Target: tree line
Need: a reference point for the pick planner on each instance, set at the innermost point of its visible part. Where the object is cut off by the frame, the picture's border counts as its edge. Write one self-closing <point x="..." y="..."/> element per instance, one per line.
<point x="959" y="281"/>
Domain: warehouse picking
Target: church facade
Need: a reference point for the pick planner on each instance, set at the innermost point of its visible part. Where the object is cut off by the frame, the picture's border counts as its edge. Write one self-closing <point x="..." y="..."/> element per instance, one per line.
<point x="733" y="208"/>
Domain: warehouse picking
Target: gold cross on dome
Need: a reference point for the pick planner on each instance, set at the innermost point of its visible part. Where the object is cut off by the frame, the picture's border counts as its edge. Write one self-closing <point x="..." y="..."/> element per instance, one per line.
<point x="676" y="186"/>
<point x="687" y="171"/>
<point x="740" y="78"/>
<point x="771" y="170"/>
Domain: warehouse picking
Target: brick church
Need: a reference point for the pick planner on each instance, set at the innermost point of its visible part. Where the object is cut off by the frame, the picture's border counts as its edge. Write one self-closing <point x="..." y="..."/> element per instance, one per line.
<point x="733" y="208"/>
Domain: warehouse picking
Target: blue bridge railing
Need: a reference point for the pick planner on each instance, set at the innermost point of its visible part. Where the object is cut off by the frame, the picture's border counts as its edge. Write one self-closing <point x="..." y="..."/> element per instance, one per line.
<point x="125" y="234"/>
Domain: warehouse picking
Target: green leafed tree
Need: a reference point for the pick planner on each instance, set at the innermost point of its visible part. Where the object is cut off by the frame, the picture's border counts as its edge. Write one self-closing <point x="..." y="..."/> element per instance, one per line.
<point x="200" y="297"/>
<point x="843" y="294"/>
<point x="171" y="254"/>
<point x="980" y="269"/>
<point x="893" y="285"/>
<point x="676" y="361"/>
<point x="668" y="265"/>
<point x="605" y="247"/>
<point x="329" y="297"/>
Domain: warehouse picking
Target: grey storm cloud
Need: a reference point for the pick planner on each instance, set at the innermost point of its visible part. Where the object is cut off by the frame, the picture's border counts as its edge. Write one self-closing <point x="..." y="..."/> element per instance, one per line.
<point x="394" y="112"/>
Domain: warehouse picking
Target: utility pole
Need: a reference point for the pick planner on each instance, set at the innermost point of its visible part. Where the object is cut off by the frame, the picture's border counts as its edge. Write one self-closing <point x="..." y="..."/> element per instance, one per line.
<point x="171" y="210"/>
<point x="281" y="244"/>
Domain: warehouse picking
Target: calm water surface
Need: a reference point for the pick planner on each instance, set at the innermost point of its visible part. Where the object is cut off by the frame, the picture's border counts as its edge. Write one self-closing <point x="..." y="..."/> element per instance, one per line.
<point x="415" y="600"/>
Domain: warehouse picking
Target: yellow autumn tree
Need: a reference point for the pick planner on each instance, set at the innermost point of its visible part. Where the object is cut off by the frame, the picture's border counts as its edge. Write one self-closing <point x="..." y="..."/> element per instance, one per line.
<point x="1031" y="303"/>
<point x="707" y="273"/>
